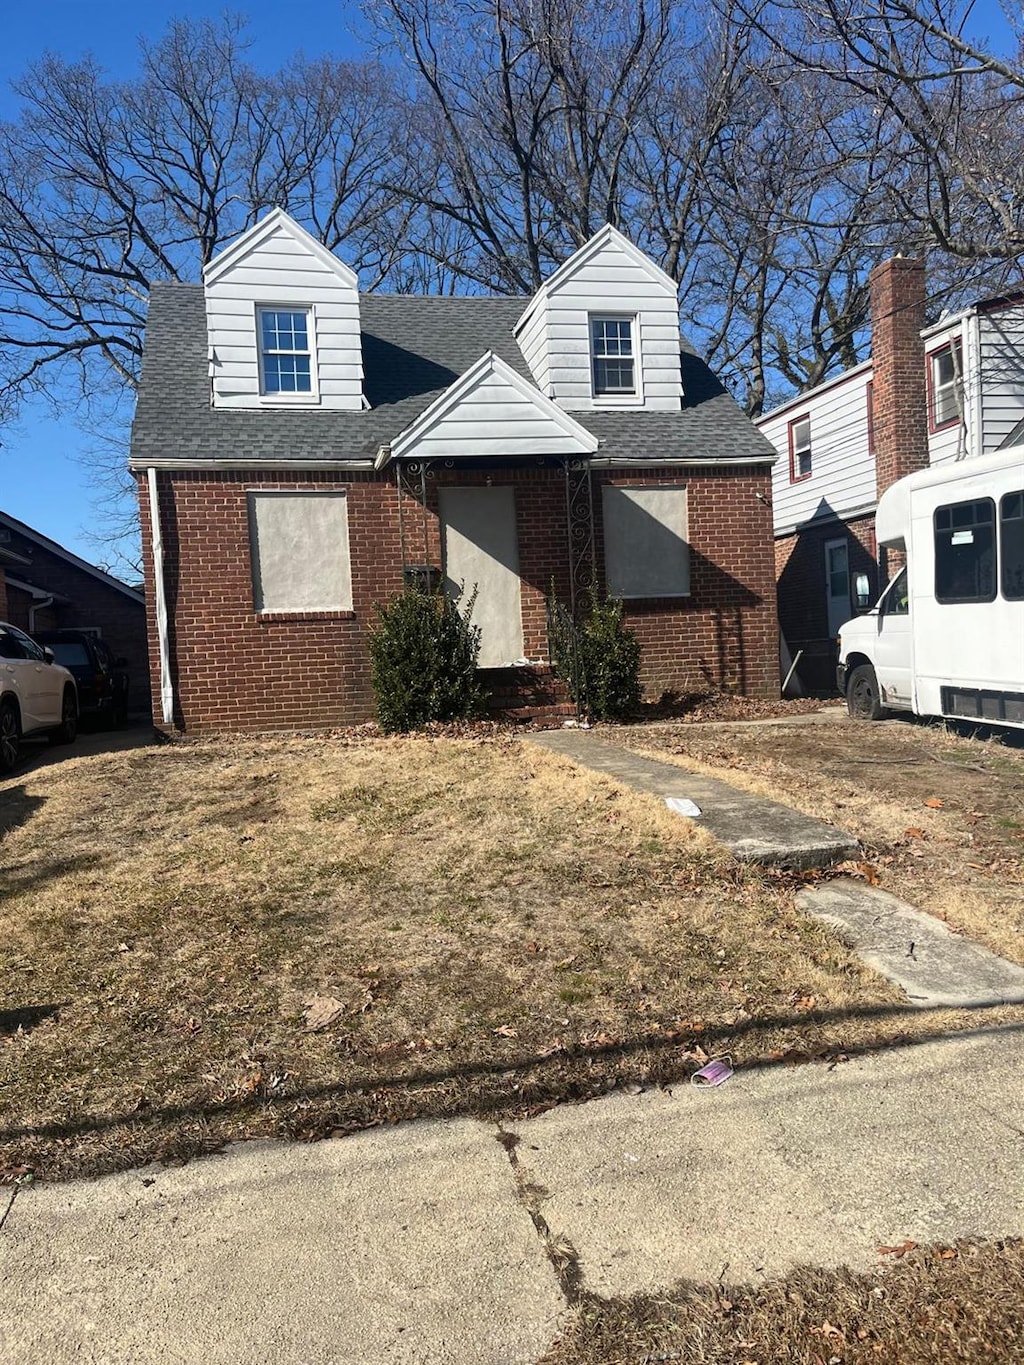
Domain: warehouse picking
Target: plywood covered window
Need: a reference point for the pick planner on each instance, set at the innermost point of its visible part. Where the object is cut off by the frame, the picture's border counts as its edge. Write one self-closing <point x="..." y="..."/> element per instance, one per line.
<point x="646" y="551"/>
<point x="300" y="554"/>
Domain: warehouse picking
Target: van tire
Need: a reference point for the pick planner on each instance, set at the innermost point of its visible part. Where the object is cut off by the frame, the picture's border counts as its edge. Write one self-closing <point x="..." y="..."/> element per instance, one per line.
<point x="863" y="699"/>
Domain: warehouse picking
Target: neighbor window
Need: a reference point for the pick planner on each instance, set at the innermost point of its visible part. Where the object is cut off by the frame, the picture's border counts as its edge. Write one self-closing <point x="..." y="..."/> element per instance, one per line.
<point x="646" y="553"/>
<point x="285" y="354"/>
<point x="300" y="556"/>
<point x="800" y="449"/>
<point x="612" y="353"/>
<point x="1011" y="545"/>
<point x="945" y="369"/>
<point x="965" y="552"/>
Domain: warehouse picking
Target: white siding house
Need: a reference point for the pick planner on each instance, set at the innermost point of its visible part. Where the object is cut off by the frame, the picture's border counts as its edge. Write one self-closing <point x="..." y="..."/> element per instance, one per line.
<point x="840" y="480"/>
<point x="565" y="337"/>
<point x="283" y="322"/>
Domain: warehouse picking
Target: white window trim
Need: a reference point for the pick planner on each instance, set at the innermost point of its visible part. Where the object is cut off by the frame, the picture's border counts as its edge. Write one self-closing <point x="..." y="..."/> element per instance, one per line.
<point x="950" y="389"/>
<point x="617" y="400"/>
<point x="288" y="400"/>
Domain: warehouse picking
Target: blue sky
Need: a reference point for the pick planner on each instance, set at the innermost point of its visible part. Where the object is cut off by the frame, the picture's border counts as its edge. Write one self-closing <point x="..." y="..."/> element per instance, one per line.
<point x="42" y="478"/>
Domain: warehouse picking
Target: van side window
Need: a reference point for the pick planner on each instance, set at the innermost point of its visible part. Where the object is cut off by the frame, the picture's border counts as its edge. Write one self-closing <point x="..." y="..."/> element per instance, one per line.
<point x="1011" y="545"/>
<point x="897" y="599"/>
<point x="965" y="552"/>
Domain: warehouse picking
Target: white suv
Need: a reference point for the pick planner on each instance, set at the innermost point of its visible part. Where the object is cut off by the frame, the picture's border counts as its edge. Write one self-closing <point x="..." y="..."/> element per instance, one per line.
<point x="37" y="696"/>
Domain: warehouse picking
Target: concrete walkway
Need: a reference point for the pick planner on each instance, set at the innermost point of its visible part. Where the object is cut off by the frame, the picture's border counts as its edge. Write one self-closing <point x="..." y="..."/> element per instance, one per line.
<point x="431" y="1243"/>
<point x="913" y="949"/>
<point x="753" y="828"/>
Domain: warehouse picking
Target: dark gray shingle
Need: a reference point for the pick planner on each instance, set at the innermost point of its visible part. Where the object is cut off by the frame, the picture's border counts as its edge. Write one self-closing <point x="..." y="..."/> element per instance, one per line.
<point x="413" y="349"/>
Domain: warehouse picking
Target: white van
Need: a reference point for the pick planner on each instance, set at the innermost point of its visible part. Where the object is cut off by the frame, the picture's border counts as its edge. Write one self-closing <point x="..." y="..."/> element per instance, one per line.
<point x="947" y="635"/>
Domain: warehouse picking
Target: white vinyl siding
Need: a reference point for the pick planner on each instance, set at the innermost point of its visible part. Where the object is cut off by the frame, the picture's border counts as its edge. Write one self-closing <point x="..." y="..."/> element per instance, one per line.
<point x="494" y="419"/>
<point x="843" y="482"/>
<point x="1002" y="375"/>
<point x="555" y="337"/>
<point x="646" y="551"/>
<point x="281" y="271"/>
<point x="300" y="552"/>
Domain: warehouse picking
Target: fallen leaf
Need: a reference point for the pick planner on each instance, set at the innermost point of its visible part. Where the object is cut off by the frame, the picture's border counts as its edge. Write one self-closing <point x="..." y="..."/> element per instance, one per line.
<point x="533" y="947"/>
<point x="321" y="1011"/>
<point x="913" y="834"/>
<point x="947" y="1254"/>
<point x="897" y="1251"/>
<point x="505" y="1031"/>
<point x="934" y="803"/>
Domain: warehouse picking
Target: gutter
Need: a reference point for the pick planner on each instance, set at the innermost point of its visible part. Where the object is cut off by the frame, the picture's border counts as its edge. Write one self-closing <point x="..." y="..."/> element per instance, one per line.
<point x="163" y="637"/>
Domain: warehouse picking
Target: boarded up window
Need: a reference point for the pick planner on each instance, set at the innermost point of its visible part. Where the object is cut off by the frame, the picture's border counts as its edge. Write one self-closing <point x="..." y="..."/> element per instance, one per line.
<point x="300" y="559"/>
<point x="645" y="548"/>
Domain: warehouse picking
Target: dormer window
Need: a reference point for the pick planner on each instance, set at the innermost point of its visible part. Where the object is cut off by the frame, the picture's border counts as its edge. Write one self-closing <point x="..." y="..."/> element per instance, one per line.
<point x="613" y="357"/>
<point x="285" y="353"/>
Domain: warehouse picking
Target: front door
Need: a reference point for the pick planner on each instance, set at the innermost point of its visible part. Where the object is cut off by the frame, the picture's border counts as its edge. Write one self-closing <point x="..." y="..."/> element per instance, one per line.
<point x="481" y="552"/>
<point x="837" y="585"/>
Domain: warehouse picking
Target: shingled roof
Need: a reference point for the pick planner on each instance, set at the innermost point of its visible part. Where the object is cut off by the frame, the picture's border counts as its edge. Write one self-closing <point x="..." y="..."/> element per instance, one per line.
<point x="413" y="349"/>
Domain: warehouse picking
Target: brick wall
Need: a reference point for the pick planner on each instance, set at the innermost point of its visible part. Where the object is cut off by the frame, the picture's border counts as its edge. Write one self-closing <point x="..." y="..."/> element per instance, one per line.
<point x="91" y="602"/>
<point x="234" y="669"/>
<point x="900" y="408"/>
<point x="803" y="604"/>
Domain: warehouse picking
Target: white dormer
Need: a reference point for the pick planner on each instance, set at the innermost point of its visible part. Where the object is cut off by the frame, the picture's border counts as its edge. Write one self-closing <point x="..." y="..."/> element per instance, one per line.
<point x="282" y="318"/>
<point x="603" y="331"/>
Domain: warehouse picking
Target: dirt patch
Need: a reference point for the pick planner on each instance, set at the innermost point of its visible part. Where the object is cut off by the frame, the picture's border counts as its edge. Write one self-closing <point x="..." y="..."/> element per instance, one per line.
<point x="922" y="1307"/>
<point x="693" y="708"/>
<point x="493" y="929"/>
<point x="940" y="814"/>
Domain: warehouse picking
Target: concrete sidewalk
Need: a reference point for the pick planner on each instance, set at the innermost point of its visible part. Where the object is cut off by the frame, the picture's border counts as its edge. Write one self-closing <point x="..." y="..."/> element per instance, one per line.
<point x="752" y="828"/>
<point x="429" y="1243"/>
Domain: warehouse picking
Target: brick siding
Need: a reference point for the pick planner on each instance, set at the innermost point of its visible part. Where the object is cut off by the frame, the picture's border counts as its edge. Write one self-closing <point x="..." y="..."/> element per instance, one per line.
<point x="235" y="669"/>
<point x="803" y="604"/>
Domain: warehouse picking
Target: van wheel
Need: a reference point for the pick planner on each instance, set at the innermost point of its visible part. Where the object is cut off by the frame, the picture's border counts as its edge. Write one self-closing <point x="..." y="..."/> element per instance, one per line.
<point x="862" y="695"/>
<point x="67" y="731"/>
<point x="10" y="736"/>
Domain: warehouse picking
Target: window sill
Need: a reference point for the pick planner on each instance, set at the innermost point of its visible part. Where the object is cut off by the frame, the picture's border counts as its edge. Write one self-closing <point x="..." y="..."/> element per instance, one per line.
<point x="615" y="400"/>
<point x="935" y="428"/>
<point x="293" y="617"/>
<point x="800" y="478"/>
<point x="288" y="400"/>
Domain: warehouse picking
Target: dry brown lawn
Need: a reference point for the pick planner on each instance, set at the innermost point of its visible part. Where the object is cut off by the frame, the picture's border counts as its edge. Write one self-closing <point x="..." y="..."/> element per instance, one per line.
<point x="480" y="927"/>
<point x="940" y="814"/>
<point x="933" y="1306"/>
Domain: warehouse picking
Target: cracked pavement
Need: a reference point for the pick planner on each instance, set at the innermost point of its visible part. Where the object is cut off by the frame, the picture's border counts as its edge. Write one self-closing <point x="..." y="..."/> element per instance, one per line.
<point x="466" y="1242"/>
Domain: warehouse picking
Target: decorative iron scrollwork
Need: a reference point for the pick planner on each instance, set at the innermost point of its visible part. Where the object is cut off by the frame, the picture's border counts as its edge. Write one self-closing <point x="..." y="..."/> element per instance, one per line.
<point x="579" y="515"/>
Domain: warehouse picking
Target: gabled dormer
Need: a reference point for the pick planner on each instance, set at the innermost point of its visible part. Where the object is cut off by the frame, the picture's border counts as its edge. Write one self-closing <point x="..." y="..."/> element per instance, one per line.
<point x="282" y="317"/>
<point x="603" y="331"/>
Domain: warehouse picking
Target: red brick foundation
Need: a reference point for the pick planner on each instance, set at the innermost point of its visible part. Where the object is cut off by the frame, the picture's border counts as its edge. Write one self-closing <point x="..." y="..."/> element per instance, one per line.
<point x="233" y="669"/>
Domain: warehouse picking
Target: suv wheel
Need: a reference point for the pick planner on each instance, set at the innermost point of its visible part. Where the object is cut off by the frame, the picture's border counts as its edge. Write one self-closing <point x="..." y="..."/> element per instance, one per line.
<point x="67" y="731"/>
<point x="10" y="736"/>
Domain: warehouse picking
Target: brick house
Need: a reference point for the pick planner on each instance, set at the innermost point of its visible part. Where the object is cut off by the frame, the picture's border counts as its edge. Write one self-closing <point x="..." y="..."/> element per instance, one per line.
<point x="43" y="586"/>
<point x="302" y="449"/>
<point x="929" y="394"/>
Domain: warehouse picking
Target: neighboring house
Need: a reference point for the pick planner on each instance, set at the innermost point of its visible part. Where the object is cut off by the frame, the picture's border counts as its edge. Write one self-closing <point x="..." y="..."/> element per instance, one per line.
<point x="45" y="587"/>
<point x="302" y="449"/>
<point x="949" y="391"/>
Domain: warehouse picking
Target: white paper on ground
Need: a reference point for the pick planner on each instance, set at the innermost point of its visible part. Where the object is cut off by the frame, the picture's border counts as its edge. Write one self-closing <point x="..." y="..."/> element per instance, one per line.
<point x="679" y="805"/>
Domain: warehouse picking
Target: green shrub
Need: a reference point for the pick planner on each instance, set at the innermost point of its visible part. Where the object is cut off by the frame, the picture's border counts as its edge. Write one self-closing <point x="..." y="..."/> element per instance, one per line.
<point x="596" y="656"/>
<point x="423" y="655"/>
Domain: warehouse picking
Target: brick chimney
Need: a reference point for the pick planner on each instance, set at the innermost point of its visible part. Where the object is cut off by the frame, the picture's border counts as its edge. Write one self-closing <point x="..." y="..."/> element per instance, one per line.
<point x="899" y="388"/>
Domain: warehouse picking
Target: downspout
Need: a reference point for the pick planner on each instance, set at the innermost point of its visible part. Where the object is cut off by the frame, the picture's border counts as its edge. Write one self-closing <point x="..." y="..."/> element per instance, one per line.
<point x="37" y="606"/>
<point x="163" y="638"/>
